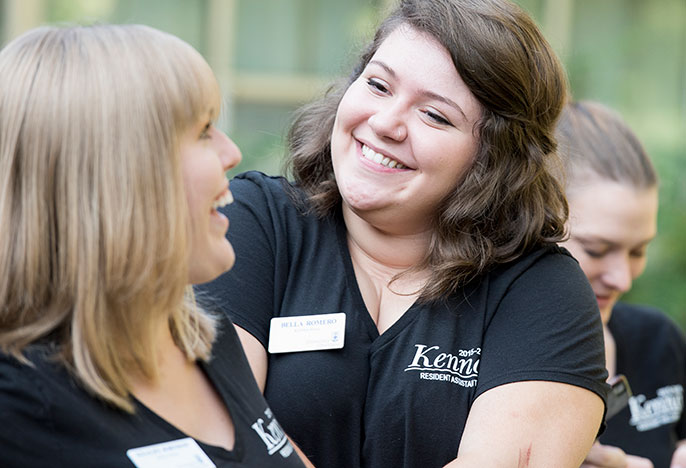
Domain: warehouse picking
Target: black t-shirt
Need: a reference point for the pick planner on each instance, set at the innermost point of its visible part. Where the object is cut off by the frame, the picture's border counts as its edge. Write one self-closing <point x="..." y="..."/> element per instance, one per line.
<point x="651" y="353"/>
<point x="399" y="399"/>
<point x="47" y="420"/>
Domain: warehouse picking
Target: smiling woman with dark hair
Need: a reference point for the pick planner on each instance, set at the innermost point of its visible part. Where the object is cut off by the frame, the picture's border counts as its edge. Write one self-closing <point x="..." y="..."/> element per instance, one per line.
<point x="405" y="303"/>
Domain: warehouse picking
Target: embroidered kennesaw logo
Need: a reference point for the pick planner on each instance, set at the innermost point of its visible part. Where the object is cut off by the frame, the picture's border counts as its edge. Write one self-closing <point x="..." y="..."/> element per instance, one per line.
<point x="461" y="368"/>
<point x="272" y="435"/>
<point x="665" y="408"/>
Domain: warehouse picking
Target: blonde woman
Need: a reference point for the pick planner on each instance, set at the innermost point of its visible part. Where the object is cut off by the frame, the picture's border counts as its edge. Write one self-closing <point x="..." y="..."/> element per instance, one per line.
<point x="111" y="173"/>
<point x="612" y="189"/>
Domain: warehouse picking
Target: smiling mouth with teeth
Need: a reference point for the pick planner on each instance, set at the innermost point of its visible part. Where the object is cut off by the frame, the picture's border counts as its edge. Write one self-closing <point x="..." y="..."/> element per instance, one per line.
<point x="225" y="199"/>
<point x="378" y="158"/>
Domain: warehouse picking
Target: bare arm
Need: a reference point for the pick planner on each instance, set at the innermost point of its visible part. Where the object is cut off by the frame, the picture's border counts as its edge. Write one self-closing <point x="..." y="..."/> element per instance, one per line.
<point x="530" y="424"/>
<point x="306" y="461"/>
<point x="679" y="457"/>
<point x="257" y="356"/>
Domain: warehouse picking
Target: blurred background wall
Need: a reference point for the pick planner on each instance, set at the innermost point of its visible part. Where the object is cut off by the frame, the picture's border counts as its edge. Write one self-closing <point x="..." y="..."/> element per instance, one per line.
<point x="273" y="55"/>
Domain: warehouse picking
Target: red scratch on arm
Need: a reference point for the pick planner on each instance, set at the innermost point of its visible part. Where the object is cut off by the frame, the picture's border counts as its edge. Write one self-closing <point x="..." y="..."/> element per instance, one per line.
<point x="524" y="458"/>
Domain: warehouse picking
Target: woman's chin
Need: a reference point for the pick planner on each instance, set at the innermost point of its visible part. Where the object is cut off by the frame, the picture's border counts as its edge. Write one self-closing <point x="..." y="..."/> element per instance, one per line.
<point x="205" y="270"/>
<point x="606" y="313"/>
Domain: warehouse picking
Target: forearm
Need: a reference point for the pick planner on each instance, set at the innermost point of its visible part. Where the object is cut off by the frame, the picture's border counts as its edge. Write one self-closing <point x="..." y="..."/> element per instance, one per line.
<point x="306" y="461"/>
<point x="530" y="425"/>
<point x="679" y="457"/>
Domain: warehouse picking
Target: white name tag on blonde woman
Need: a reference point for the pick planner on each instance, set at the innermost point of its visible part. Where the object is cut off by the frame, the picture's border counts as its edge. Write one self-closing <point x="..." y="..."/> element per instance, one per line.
<point x="181" y="453"/>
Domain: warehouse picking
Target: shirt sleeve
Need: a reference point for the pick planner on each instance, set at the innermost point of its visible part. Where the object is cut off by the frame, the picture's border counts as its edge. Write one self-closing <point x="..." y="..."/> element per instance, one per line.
<point x="546" y="326"/>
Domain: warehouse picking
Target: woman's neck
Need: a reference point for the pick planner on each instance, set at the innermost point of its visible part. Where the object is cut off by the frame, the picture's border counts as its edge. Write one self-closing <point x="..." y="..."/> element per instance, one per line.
<point x="169" y="358"/>
<point x="184" y="396"/>
<point x="378" y="257"/>
<point x="610" y="352"/>
<point x="394" y="252"/>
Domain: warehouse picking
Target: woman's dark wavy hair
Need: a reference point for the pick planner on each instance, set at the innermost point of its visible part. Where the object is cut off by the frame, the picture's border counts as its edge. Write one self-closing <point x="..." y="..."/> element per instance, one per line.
<point x="509" y="201"/>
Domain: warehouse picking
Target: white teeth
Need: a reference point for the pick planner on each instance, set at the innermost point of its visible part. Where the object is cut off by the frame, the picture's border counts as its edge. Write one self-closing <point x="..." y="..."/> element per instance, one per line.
<point x="378" y="158"/>
<point x="224" y="200"/>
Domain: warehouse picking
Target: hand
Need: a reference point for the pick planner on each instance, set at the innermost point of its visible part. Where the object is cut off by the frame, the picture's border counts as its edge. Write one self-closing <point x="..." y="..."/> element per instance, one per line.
<point x="607" y="456"/>
<point x="679" y="457"/>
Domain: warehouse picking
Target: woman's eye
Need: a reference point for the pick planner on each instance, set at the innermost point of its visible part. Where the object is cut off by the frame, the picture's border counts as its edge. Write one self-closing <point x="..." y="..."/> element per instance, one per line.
<point x="640" y="253"/>
<point x="594" y="253"/>
<point x="205" y="132"/>
<point x="437" y="118"/>
<point x="377" y="85"/>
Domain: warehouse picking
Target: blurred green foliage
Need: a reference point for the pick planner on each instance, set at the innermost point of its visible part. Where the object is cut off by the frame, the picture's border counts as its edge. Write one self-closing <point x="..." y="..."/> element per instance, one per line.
<point x="663" y="283"/>
<point x="631" y="55"/>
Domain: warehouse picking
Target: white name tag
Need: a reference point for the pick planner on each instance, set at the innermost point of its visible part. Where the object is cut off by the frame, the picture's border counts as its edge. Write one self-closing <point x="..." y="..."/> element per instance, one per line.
<point x="181" y="453"/>
<point x="306" y="333"/>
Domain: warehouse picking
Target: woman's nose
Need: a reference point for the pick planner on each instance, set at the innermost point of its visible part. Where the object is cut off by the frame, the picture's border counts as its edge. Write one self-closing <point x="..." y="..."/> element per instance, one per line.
<point x="618" y="275"/>
<point x="389" y="122"/>
<point x="229" y="153"/>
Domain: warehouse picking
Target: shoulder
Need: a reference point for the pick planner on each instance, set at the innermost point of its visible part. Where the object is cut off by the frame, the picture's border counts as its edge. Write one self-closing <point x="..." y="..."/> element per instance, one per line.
<point x="274" y="210"/>
<point x="26" y="389"/>
<point x="272" y="202"/>
<point x="26" y="377"/>
<point x="259" y="179"/>
<point x="227" y="342"/>
<point x="229" y="363"/>
<point x="253" y="185"/>
<point x="645" y="315"/>
<point x="641" y="320"/>
<point x="27" y="428"/>
<point x="544" y="291"/>
<point x="550" y="269"/>
<point x="542" y="323"/>
<point x="227" y="350"/>
<point x="547" y="257"/>
<point x="12" y="373"/>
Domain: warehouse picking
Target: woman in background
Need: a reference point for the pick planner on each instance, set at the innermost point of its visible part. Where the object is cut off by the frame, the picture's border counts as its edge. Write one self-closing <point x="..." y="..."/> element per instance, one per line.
<point x="613" y="199"/>
<point x="111" y="174"/>
<point x="405" y="303"/>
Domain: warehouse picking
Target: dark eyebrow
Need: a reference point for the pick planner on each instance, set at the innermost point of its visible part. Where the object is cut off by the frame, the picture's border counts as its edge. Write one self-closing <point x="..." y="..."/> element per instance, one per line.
<point x="424" y="92"/>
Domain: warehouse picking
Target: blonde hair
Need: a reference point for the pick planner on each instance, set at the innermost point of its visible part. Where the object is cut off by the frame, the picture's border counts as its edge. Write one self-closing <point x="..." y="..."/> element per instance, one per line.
<point x="93" y="234"/>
